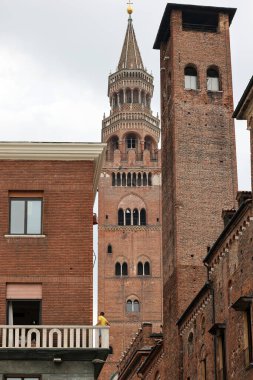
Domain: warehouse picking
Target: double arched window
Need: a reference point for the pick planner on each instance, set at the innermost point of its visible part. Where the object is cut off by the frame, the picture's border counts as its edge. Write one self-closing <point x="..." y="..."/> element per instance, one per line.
<point x="191" y="78"/>
<point x="132" y="306"/>
<point x="133" y="217"/>
<point x="143" y="269"/>
<point x="121" y="269"/>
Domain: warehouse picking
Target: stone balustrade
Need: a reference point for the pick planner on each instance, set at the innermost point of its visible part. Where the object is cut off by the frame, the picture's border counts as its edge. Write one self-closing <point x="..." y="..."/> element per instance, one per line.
<point x="49" y="337"/>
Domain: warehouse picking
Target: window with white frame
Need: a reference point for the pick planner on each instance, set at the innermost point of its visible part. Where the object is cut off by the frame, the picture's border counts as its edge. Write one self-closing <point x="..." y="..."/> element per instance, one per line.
<point x="25" y="216"/>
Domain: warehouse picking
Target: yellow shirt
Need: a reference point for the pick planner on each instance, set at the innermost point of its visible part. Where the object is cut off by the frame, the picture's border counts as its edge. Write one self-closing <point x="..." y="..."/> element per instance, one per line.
<point x="102" y="321"/>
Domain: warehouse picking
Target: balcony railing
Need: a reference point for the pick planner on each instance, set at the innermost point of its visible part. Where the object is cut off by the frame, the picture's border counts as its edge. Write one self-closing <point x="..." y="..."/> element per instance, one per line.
<point x="49" y="337"/>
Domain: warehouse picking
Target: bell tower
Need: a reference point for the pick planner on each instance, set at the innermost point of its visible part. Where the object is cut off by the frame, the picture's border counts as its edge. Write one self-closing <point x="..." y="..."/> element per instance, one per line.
<point x="130" y="258"/>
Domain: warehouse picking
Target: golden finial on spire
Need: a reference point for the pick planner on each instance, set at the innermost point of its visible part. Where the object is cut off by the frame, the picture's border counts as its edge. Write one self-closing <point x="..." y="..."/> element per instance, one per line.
<point x="130" y="8"/>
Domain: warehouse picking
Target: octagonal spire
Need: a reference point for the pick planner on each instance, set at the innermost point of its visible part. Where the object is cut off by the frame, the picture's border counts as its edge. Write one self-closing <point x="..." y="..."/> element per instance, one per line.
<point x="130" y="56"/>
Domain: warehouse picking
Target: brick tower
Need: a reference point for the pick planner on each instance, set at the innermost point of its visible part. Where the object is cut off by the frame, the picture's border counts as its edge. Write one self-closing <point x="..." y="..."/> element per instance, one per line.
<point x="198" y="142"/>
<point x="130" y="283"/>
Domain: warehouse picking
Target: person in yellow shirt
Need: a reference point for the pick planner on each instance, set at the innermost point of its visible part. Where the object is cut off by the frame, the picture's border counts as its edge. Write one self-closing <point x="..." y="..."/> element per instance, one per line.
<point x="102" y="321"/>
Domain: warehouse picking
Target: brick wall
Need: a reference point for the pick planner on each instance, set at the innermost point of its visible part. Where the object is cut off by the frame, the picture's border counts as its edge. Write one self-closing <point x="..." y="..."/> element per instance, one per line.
<point x="62" y="260"/>
<point x="199" y="165"/>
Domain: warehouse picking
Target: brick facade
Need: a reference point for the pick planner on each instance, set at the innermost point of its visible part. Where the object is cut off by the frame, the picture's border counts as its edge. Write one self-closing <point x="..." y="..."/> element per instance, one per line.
<point x="61" y="258"/>
<point x="130" y="180"/>
<point x="198" y="146"/>
<point x="58" y="258"/>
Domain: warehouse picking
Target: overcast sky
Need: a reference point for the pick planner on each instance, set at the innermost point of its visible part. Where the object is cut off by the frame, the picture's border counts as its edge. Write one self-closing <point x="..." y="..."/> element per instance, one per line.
<point x="55" y="57"/>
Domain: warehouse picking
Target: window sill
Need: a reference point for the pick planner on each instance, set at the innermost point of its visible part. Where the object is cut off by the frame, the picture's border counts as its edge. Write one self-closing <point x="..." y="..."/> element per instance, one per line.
<point x="193" y="89"/>
<point x="25" y="236"/>
<point x="214" y="92"/>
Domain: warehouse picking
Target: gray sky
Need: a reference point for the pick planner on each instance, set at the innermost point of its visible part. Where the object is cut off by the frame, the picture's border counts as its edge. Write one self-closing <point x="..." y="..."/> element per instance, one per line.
<point x="55" y="57"/>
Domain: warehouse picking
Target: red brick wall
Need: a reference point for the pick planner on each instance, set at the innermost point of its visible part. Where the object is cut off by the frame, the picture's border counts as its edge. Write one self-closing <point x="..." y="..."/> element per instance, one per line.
<point x="129" y="244"/>
<point x="63" y="260"/>
<point x="199" y="165"/>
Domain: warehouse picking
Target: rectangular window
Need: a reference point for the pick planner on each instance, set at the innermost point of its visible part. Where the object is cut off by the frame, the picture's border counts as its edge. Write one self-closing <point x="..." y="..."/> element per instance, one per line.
<point x="25" y="216"/>
<point x="22" y="312"/>
<point x="212" y="84"/>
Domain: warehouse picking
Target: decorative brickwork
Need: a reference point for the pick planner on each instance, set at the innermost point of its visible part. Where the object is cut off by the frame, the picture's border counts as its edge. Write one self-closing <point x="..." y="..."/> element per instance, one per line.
<point x="130" y="265"/>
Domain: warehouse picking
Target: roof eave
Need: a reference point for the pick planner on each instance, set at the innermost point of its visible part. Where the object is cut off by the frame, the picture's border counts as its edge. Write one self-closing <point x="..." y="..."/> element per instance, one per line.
<point x="163" y="31"/>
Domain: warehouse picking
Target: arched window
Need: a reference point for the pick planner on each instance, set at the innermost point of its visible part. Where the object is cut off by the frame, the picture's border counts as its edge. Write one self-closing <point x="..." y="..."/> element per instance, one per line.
<point x="150" y="179"/>
<point x="136" y="306"/>
<point x="136" y="96"/>
<point x="129" y="306"/>
<point x="145" y="179"/>
<point x="117" y="269"/>
<point x="190" y="343"/>
<point x="113" y="143"/>
<point x="120" y="217"/>
<point x="113" y="179"/>
<point x="124" y="269"/>
<point x="129" y="179"/>
<point x="147" y="269"/>
<point x="133" y="306"/>
<point x="139" y="179"/>
<point x="190" y="78"/>
<point x="121" y="270"/>
<point x="213" y="80"/>
<point x="131" y="141"/>
<point x="109" y="248"/>
<point x="140" y="269"/>
<point x="124" y="179"/>
<point x="134" y="179"/>
<point x="135" y="217"/>
<point x="128" y="96"/>
<point x="118" y="179"/>
<point x="128" y="217"/>
<point x="148" y="143"/>
<point x="143" y="217"/>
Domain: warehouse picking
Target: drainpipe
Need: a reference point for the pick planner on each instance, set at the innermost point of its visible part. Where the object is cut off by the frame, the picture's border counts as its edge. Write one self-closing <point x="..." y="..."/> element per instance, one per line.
<point x="213" y="319"/>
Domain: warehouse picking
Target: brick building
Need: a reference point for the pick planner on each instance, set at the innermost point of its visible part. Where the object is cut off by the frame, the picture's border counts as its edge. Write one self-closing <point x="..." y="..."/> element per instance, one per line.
<point x="143" y="359"/>
<point x="46" y="257"/>
<point x="208" y="229"/>
<point x="130" y="261"/>
<point x="198" y="152"/>
<point x="216" y="328"/>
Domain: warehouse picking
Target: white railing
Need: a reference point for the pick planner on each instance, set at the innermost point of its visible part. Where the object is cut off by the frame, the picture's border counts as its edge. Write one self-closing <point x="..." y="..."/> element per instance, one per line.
<point x="64" y="337"/>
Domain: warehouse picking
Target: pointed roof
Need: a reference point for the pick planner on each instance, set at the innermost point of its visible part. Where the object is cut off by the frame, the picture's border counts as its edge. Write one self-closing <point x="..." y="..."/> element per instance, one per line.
<point x="130" y="56"/>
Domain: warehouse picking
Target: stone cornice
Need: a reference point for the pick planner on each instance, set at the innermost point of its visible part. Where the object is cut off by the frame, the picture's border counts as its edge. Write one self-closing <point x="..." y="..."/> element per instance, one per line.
<point x="56" y="151"/>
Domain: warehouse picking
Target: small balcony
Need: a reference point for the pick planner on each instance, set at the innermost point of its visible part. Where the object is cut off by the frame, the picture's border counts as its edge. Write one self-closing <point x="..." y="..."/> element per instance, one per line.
<point x="53" y="337"/>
